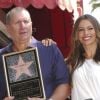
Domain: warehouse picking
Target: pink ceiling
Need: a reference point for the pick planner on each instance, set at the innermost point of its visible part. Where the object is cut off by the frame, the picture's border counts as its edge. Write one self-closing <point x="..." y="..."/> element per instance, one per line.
<point x="50" y="4"/>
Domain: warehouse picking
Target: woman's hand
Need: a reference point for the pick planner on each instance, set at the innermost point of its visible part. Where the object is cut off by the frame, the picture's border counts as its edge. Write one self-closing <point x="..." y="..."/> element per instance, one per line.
<point x="48" y="42"/>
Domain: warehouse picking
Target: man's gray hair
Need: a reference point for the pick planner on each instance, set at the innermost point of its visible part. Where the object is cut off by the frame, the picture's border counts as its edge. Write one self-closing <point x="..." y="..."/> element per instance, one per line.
<point x="14" y="10"/>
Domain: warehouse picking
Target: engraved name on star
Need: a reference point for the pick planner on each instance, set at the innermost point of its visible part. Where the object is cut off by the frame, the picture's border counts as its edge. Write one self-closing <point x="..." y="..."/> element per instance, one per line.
<point x="21" y="67"/>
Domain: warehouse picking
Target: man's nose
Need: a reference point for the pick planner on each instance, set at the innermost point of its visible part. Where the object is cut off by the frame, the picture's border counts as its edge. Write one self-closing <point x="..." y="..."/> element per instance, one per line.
<point x="22" y="24"/>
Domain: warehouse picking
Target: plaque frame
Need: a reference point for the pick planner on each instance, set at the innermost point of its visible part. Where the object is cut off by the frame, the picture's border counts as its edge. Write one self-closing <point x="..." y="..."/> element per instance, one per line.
<point x="18" y="81"/>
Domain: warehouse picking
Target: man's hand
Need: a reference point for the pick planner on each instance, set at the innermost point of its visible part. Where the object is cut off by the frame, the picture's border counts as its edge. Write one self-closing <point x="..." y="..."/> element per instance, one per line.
<point x="9" y="98"/>
<point x="35" y="98"/>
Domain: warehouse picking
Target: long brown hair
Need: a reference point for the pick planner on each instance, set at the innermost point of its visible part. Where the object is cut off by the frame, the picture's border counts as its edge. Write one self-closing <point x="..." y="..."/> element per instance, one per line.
<point x="76" y="56"/>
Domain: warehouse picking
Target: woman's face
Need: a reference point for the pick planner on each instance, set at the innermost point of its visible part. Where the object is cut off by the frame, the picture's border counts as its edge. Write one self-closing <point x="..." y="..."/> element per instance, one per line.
<point x="86" y="33"/>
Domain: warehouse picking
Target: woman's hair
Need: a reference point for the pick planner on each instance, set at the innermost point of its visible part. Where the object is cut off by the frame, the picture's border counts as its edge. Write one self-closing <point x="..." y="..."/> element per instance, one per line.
<point x="76" y="56"/>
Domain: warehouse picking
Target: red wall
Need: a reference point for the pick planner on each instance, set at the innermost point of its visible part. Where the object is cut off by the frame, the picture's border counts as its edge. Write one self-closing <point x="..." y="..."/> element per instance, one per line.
<point x="55" y="24"/>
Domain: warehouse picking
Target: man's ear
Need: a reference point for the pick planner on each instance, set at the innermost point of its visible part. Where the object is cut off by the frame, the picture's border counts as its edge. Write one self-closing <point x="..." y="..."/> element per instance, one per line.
<point x="7" y="27"/>
<point x="8" y="31"/>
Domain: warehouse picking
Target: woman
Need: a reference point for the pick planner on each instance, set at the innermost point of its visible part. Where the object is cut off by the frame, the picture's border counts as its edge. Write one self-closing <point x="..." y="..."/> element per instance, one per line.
<point x="84" y="59"/>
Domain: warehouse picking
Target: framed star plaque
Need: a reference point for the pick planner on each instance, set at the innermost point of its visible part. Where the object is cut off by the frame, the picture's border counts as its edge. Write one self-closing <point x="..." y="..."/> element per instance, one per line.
<point x="23" y="74"/>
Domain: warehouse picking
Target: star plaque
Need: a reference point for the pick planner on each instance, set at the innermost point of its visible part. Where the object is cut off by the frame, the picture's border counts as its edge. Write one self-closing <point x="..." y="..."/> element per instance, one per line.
<point x="23" y="74"/>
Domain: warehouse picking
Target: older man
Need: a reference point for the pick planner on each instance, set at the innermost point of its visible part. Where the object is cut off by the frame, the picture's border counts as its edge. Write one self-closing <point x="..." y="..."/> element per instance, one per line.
<point x="54" y="71"/>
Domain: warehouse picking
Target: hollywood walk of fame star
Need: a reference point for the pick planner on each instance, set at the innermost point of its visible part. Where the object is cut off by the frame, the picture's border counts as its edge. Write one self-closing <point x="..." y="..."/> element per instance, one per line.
<point x="21" y="67"/>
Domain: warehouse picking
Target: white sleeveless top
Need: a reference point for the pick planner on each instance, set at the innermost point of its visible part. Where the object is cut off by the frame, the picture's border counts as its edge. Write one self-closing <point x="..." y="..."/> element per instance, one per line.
<point x="86" y="81"/>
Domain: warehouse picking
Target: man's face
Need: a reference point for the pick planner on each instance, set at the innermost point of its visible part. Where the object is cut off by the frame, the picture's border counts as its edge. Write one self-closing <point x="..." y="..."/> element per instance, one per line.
<point x="20" y="27"/>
